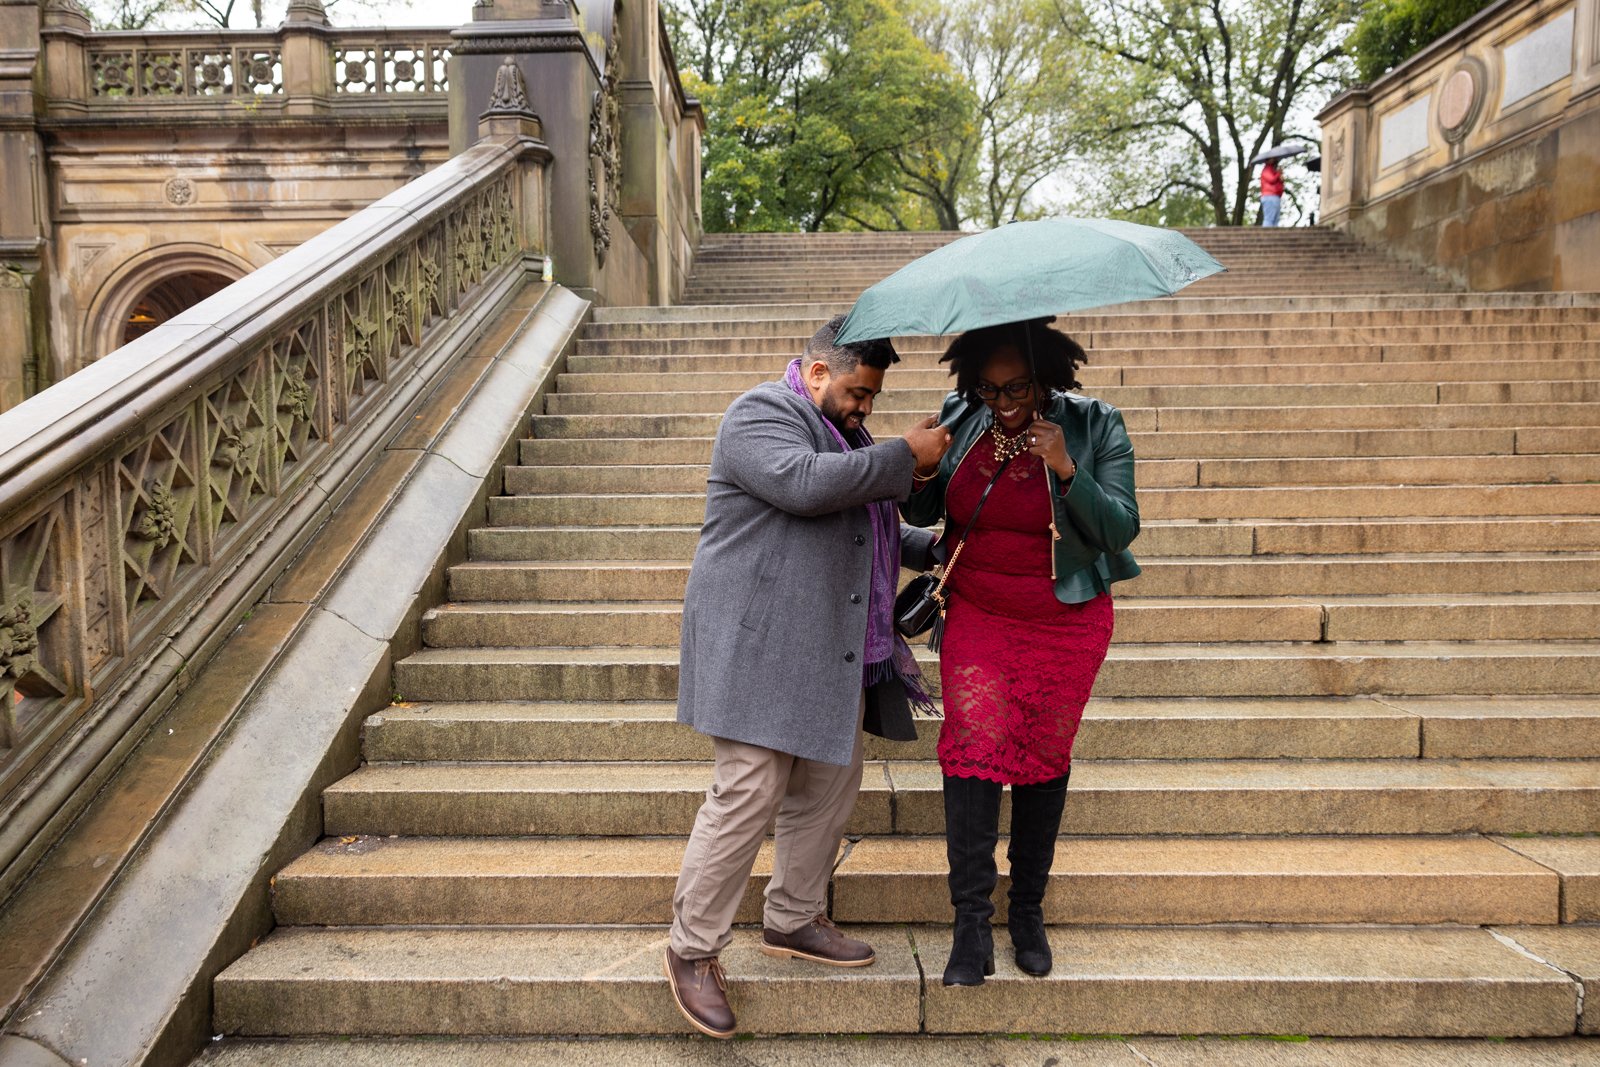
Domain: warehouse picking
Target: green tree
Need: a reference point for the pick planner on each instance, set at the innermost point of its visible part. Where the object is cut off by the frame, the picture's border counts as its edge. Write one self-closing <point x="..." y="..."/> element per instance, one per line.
<point x="1212" y="84"/>
<point x="1038" y="101"/>
<point x="807" y="106"/>
<point x="1391" y="31"/>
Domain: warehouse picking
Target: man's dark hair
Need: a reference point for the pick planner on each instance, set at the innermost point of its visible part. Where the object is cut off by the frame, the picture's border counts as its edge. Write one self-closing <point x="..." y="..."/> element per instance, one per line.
<point x="844" y="359"/>
<point x="1056" y="357"/>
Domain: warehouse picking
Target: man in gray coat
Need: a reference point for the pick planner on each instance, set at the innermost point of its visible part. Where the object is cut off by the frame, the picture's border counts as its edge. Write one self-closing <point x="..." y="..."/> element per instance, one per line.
<point x="788" y="649"/>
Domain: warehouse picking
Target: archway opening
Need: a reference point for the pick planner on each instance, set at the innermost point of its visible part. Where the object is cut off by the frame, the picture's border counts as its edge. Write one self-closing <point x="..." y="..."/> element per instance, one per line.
<point x="169" y="297"/>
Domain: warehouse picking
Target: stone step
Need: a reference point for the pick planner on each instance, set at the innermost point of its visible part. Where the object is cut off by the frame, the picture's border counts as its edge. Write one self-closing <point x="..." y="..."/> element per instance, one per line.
<point x="1211" y="504"/>
<point x="1156" y="539"/>
<point x="898" y="398"/>
<point x="1418" y="668"/>
<point x="775" y="357"/>
<point x="1155" y="881"/>
<point x="1301" y="576"/>
<point x="662" y="477"/>
<point x="1180" y="306"/>
<point x="1149" y="445"/>
<point x="924" y="1050"/>
<point x="1439" y="617"/>
<point x="799" y="321"/>
<point x="1446" y="727"/>
<point x="888" y="421"/>
<point x="1402" y="981"/>
<point x="1130" y="336"/>
<point x="634" y="374"/>
<point x="1194" y="797"/>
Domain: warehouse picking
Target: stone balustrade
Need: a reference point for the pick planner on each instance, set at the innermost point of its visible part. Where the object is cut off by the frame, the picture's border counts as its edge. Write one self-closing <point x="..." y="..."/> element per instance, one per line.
<point x="146" y="501"/>
<point x="1478" y="155"/>
<point x="304" y="65"/>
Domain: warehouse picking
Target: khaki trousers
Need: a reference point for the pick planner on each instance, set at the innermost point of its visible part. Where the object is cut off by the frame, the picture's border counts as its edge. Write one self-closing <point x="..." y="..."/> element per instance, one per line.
<point x="812" y="801"/>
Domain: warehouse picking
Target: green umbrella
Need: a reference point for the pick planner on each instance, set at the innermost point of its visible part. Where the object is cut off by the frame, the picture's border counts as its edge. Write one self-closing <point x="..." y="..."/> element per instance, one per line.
<point x="1027" y="270"/>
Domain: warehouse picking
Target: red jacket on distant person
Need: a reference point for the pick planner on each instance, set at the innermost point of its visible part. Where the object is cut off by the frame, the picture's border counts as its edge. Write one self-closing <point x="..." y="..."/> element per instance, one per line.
<point x="1271" y="180"/>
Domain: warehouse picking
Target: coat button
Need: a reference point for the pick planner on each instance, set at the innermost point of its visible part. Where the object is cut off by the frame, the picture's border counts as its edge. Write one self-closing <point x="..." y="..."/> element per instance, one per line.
<point x="860" y="540"/>
<point x="849" y="657"/>
<point x="855" y="598"/>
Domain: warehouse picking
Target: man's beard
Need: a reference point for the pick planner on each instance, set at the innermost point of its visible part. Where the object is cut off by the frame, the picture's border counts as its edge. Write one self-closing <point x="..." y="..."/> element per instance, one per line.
<point x="835" y="414"/>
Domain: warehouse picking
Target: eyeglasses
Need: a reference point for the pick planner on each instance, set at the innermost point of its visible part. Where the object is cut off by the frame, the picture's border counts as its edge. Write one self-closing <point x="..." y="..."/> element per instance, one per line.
<point x="1015" y="390"/>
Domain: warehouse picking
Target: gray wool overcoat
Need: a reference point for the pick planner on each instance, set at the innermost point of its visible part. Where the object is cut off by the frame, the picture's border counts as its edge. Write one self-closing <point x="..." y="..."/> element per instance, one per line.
<point x="775" y="615"/>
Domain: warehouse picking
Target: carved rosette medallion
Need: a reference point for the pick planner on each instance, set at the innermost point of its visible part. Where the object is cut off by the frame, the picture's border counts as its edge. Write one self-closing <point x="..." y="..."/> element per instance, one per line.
<point x="605" y="147"/>
<point x="179" y="191"/>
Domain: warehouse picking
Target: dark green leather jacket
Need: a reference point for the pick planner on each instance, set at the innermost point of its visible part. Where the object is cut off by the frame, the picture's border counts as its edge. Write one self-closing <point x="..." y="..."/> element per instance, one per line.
<point x="1096" y="514"/>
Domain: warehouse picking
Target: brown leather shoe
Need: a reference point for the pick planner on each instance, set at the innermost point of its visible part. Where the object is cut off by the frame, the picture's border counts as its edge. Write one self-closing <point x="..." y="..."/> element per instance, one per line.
<point x="701" y="990"/>
<point x="818" y="940"/>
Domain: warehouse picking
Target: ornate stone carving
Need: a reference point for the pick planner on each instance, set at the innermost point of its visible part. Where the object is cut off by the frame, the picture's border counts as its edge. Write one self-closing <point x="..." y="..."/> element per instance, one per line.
<point x="564" y="41"/>
<point x="510" y="94"/>
<point x="160" y="516"/>
<point x="179" y="191"/>
<point x="605" y="147"/>
<point x="307" y="11"/>
<point x="296" y="398"/>
<point x="19" y="640"/>
<point x="1336" y="167"/>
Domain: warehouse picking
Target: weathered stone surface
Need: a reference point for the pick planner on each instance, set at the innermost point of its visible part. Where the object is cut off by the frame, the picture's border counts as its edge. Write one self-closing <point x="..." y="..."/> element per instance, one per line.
<point x="1555" y="727"/>
<point x="1575" y="951"/>
<point x="615" y="799"/>
<point x="1284" y="980"/>
<point x="548" y="980"/>
<point x="1577" y="861"/>
<point x="1346" y="1052"/>
<point x="846" y="1051"/>
<point x="1178" y="881"/>
<point x="1292" y="797"/>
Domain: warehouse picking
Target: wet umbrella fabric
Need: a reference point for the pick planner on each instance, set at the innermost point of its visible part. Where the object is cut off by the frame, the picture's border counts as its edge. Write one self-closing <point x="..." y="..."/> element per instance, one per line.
<point x="1280" y="152"/>
<point x="1027" y="270"/>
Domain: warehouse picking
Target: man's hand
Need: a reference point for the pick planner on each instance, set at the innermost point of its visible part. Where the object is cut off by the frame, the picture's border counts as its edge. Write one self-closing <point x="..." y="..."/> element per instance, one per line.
<point x="929" y="441"/>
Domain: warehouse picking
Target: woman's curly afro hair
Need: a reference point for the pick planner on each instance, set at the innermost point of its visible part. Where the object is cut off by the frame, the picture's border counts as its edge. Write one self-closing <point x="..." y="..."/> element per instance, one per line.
<point x="1056" y="357"/>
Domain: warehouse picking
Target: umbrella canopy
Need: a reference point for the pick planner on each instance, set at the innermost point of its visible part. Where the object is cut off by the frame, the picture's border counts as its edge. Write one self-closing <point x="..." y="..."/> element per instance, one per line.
<point x="1280" y="152"/>
<point x="1027" y="270"/>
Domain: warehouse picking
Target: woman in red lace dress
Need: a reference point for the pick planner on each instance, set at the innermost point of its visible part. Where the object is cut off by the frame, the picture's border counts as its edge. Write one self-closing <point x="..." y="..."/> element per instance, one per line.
<point x="1029" y="613"/>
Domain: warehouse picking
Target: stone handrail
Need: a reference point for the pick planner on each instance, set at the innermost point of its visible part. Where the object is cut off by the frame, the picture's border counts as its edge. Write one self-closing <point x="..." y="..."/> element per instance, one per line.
<point x="145" y="501"/>
<point x="249" y="68"/>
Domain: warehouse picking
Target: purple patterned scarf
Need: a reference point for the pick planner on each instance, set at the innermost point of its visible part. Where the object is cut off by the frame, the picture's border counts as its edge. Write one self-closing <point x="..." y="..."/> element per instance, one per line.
<point x="887" y="654"/>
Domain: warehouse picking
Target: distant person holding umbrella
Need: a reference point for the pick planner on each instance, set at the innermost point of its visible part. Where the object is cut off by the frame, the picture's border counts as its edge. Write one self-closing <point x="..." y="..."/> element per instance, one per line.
<point x="1272" y="179"/>
<point x="1271" y="192"/>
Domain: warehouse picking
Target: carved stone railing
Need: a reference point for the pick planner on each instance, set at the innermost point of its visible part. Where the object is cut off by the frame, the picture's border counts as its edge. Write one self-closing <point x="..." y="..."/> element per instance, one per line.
<point x="299" y="66"/>
<point x="137" y="496"/>
<point x="175" y="66"/>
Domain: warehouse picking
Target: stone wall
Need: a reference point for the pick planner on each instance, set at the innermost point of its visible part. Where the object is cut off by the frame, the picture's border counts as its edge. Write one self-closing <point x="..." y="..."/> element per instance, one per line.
<point x="1480" y="156"/>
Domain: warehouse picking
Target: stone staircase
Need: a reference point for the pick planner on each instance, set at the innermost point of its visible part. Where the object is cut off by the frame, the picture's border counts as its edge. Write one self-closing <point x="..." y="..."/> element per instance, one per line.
<point x="1340" y="776"/>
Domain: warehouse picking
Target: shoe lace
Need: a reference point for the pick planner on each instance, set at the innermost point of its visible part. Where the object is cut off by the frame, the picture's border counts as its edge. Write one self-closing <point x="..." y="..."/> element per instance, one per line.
<point x="825" y="922"/>
<point x="713" y="967"/>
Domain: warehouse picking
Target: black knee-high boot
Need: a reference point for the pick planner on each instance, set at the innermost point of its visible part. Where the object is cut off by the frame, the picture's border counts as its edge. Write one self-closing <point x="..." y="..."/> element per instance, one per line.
<point x="971" y="831"/>
<point x="1035" y="822"/>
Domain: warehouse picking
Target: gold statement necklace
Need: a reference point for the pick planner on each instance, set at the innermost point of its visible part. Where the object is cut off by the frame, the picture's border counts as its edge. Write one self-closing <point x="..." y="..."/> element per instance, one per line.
<point x="1007" y="447"/>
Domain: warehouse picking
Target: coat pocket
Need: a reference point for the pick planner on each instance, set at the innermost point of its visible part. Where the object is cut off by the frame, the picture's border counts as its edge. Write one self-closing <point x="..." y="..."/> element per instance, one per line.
<point x="758" y="609"/>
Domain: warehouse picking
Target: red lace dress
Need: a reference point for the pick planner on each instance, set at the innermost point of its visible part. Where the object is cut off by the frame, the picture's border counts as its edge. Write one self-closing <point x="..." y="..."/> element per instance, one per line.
<point x="1017" y="665"/>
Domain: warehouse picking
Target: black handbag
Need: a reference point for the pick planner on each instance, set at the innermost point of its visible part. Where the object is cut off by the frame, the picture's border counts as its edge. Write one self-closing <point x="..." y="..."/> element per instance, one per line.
<point x="920" y="605"/>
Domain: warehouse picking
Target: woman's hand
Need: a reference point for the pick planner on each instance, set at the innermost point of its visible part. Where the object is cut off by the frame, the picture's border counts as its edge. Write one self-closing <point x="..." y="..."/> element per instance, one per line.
<point x="1046" y="442"/>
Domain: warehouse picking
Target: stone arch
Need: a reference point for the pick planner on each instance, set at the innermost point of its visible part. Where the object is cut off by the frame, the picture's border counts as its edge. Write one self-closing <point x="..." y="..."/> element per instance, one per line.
<point x="153" y="287"/>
